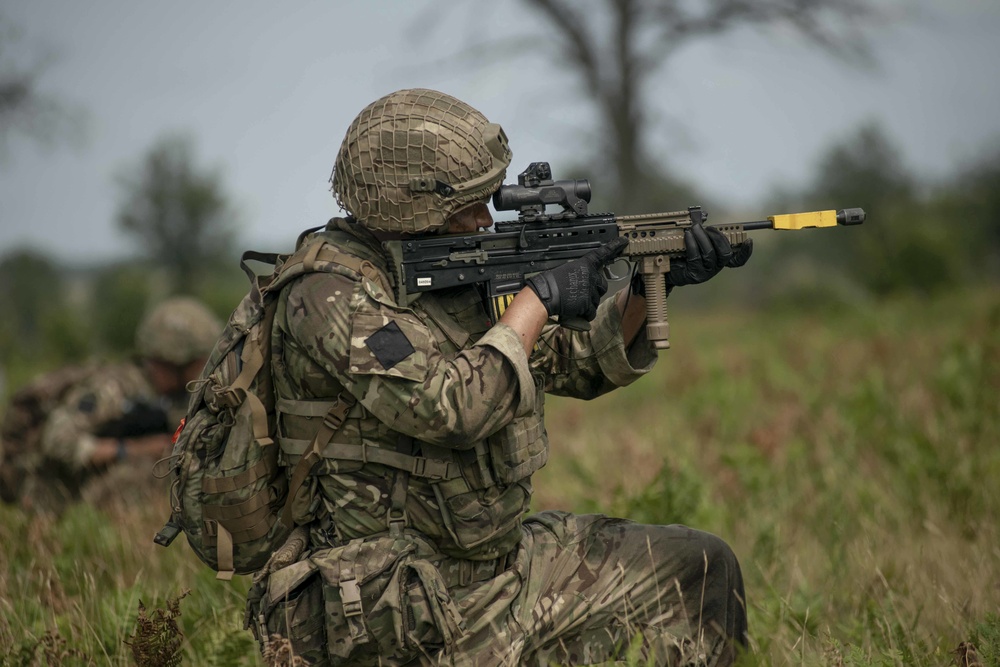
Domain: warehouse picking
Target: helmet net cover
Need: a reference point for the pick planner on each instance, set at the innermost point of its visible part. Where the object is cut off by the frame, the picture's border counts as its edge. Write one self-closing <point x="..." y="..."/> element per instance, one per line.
<point x="414" y="157"/>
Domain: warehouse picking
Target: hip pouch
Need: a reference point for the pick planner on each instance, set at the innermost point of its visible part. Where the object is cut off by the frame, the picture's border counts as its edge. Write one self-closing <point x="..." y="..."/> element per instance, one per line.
<point x="361" y="601"/>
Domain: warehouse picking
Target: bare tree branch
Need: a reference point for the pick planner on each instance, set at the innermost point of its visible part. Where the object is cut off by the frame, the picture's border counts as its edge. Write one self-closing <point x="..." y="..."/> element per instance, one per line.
<point x="616" y="51"/>
<point x="576" y="44"/>
<point x="24" y="108"/>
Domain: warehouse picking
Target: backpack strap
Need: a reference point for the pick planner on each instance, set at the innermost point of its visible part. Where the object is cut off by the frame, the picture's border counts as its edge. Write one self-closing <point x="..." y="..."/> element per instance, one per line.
<point x="311" y="257"/>
<point x="307" y="259"/>
<point x="254" y="357"/>
<point x="331" y="423"/>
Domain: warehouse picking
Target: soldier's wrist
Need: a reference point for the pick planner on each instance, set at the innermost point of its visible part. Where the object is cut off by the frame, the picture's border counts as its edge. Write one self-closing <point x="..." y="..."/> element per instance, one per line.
<point x="546" y="290"/>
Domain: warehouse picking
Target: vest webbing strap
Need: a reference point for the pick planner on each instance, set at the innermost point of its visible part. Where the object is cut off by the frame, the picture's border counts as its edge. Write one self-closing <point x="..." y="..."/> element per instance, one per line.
<point x="303" y="408"/>
<point x="419" y="466"/>
<point x="396" y="517"/>
<point x="332" y="422"/>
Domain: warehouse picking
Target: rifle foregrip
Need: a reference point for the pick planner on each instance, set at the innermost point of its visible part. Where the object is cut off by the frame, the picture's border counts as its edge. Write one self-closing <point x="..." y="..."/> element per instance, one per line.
<point x="654" y="271"/>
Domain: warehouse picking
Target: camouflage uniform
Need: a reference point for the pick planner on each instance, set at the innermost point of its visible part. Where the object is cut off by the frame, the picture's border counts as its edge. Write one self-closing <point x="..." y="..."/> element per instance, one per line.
<point x="57" y="435"/>
<point x="59" y="469"/>
<point x="420" y="552"/>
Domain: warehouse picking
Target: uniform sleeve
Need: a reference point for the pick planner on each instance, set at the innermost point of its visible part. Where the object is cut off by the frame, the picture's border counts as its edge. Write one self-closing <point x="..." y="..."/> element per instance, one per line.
<point x="387" y="357"/>
<point x="587" y="364"/>
<point x="67" y="438"/>
<point x="68" y="433"/>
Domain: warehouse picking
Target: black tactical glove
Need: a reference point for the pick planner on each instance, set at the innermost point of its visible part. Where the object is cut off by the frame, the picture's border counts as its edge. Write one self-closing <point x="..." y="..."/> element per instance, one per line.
<point x="574" y="290"/>
<point x="707" y="251"/>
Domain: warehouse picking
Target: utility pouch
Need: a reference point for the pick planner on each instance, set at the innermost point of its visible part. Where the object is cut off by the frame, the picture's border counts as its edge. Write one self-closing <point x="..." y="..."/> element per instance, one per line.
<point x="381" y="597"/>
<point x="289" y="603"/>
<point x="521" y="448"/>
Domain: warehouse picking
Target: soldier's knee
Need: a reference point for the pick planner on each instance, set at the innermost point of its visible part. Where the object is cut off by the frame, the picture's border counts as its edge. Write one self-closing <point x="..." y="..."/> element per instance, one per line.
<point x="710" y="553"/>
<point x="718" y="550"/>
<point x="720" y="556"/>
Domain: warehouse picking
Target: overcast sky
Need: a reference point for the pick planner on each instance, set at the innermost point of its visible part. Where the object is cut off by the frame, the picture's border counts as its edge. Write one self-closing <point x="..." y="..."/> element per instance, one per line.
<point x="267" y="90"/>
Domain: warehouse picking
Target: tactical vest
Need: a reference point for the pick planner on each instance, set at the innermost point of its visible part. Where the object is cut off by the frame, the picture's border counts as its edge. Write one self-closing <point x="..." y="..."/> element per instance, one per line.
<point x="482" y="490"/>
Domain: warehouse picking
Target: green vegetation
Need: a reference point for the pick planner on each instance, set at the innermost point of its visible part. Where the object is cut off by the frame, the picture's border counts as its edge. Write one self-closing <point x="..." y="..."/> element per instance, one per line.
<point x="834" y="417"/>
<point x="849" y="460"/>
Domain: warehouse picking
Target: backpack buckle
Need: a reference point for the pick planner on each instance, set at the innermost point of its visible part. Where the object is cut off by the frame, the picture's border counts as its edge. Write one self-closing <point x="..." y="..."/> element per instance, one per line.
<point x="396" y="520"/>
<point x="350" y="597"/>
<point x="229" y="397"/>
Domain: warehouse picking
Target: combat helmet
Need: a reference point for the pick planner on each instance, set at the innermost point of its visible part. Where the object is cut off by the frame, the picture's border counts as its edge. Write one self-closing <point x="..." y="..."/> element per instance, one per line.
<point x="178" y="331"/>
<point x="414" y="157"/>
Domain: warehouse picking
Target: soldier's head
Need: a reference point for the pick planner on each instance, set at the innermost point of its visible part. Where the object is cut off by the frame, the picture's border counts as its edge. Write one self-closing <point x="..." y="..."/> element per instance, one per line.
<point x="174" y="340"/>
<point x="413" y="159"/>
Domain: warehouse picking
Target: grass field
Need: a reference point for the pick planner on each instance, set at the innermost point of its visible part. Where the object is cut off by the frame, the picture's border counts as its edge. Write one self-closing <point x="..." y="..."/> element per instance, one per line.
<point x="851" y="457"/>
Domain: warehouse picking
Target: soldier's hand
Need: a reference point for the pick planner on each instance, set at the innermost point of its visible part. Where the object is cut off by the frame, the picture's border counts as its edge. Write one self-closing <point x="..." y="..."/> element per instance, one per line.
<point x="706" y="252"/>
<point x="574" y="289"/>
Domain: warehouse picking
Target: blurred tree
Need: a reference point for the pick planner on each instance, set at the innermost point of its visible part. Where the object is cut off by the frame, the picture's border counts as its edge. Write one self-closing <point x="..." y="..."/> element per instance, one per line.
<point x="119" y="300"/>
<point x="24" y="108"/>
<point x="972" y="201"/>
<point x="178" y="213"/>
<point x="33" y="289"/>
<point x="865" y="169"/>
<point x="916" y="237"/>
<point x="40" y="325"/>
<point x="618" y="49"/>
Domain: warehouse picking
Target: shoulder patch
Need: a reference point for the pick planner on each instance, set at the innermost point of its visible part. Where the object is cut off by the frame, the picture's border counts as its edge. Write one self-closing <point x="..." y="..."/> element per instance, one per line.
<point x="389" y="345"/>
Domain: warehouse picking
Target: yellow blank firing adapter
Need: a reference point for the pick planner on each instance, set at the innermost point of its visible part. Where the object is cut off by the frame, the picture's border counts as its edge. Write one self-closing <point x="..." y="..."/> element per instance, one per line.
<point x="847" y="216"/>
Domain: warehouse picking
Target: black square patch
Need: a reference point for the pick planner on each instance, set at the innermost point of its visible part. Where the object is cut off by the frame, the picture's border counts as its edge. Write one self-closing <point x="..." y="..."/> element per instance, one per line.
<point x="389" y="345"/>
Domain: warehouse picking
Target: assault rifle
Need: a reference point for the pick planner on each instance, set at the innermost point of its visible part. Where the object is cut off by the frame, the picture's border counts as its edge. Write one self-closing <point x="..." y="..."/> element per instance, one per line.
<point x="540" y="240"/>
<point x="138" y="419"/>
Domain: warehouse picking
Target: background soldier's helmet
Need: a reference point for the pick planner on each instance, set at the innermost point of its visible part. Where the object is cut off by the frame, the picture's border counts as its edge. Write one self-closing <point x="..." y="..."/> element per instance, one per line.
<point x="178" y="331"/>
<point x="414" y="157"/>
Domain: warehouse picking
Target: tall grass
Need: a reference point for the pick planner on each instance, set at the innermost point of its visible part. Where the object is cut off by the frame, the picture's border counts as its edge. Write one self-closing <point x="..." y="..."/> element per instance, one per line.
<point x="850" y="460"/>
<point x="850" y="457"/>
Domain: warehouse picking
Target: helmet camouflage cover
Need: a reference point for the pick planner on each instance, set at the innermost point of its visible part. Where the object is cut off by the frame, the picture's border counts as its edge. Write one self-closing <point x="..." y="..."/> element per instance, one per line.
<point x="414" y="157"/>
<point x="178" y="331"/>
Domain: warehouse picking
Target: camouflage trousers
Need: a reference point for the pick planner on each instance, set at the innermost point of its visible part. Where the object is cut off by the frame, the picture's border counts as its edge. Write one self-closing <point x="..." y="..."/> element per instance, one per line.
<point x="578" y="590"/>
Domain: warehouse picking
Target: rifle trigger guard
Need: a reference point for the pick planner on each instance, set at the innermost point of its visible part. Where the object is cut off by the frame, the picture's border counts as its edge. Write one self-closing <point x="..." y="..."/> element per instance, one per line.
<point x="611" y="275"/>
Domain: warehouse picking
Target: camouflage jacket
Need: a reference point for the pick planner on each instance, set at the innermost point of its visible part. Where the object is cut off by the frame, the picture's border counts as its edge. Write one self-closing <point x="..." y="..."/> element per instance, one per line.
<point x="105" y="396"/>
<point x="449" y="412"/>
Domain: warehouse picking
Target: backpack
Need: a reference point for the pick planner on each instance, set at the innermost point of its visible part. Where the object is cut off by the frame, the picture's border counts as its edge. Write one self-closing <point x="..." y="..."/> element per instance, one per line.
<point x="24" y="419"/>
<point x="229" y="495"/>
